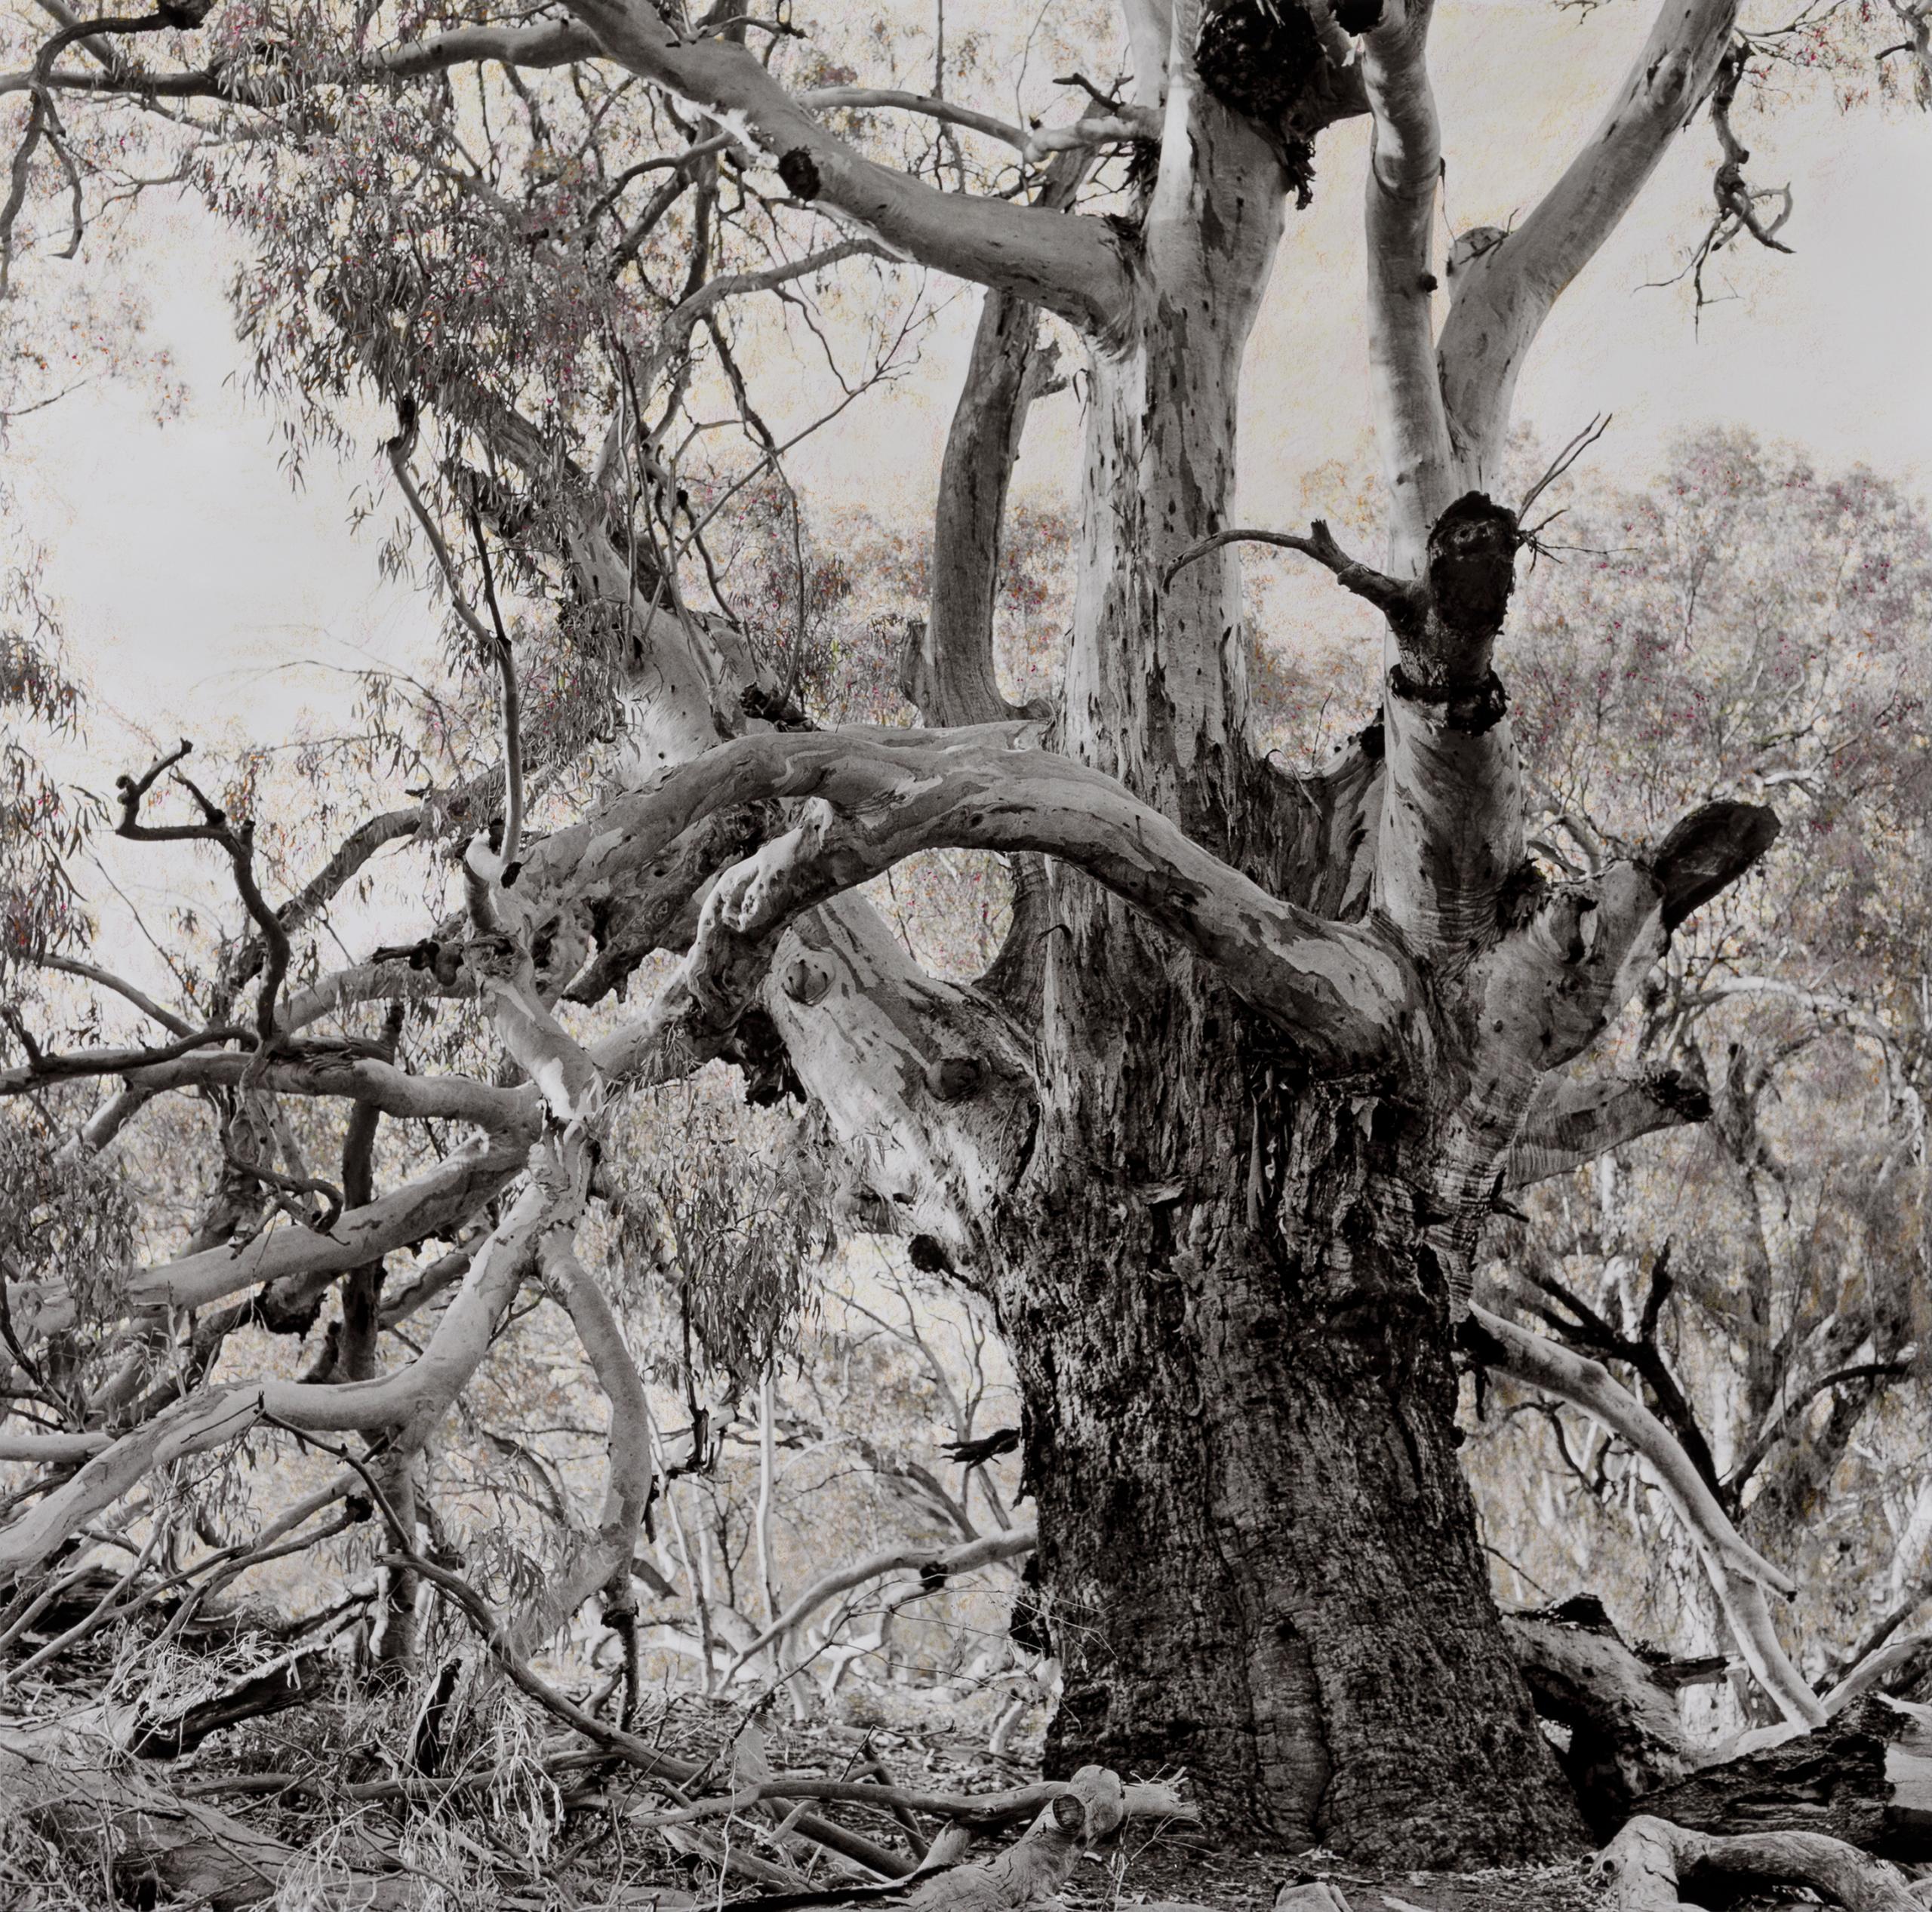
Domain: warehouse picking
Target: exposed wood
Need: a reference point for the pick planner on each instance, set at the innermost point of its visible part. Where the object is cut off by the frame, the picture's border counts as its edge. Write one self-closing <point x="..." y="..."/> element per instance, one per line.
<point x="1649" y="1859"/>
<point x="1626" y="1736"/>
<point x="1739" y="1575"/>
<point x="1832" y="1781"/>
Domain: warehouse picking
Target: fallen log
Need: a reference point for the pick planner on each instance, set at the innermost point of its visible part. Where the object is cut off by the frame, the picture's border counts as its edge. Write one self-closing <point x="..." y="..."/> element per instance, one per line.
<point x="1643" y="1866"/>
<point x="1626" y="1738"/>
<point x="295" y="1681"/>
<point x="1835" y="1782"/>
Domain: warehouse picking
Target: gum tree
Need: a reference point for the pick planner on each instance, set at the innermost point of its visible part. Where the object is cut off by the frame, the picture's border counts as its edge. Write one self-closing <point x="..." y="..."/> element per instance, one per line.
<point x="1219" y="1129"/>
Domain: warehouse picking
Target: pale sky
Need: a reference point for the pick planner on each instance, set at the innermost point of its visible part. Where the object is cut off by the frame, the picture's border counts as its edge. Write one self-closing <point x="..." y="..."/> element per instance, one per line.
<point x="197" y="584"/>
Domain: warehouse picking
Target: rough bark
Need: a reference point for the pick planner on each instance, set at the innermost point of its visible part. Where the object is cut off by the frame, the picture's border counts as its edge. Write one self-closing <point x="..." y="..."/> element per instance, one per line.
<point x="1255" y="1529"/>
<point x="1833" y="1780"/>
<point x="1227" y="1194"/>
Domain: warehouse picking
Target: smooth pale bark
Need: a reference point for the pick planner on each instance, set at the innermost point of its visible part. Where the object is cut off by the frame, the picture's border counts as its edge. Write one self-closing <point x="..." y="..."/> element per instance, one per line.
<point x="1645" y="1865"/>
<point x="1345" y="995"/>
<point x="411" y="1400"/>
<point x="1739" y="1576"/>
<point x="1070" y="265"/>
<point x="434" y="1202"/>
<point x="1418" y="467"/>
<point x="1503" y="295"/>
<point x="602" y="1557"/>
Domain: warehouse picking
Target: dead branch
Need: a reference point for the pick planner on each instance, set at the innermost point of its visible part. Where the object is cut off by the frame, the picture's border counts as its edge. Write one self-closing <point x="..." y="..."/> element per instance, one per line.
<point x="238" y="845"/>
<point x="1647" y="1861"/>
<point x="169" y="1845"/>
<point x="1739" y="1575"/>
<point x="960" y="1558"/>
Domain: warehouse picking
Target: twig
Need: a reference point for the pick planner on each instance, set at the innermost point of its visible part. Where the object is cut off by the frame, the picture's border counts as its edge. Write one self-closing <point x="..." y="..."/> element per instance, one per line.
<point x="1386" y="594"/>
<point x="239" y="846"/>
<point x="1563" y="461"/>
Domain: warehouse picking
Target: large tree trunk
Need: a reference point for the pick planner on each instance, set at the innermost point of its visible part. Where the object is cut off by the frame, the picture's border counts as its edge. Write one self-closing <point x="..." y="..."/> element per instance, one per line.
<point x="1257" y="1546"/>
<point x="1257" y="1542"/>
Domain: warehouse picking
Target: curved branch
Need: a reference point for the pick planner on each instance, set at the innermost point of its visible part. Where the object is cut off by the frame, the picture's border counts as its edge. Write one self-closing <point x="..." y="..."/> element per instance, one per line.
<point x="962" y="1558"/>
<point x="146" y="1003"/>
<point x="947" y="673"/>
<point x="1504" y="289"/>
<point x="414" y="1396"/>
<point x="1348" y="994"/>
<point x="1071" y="265"/>
<point x="1779" y="1425"/>
<point x="354" y="850"/>
<point x="598" y="1558"/>
<point x="435" y="1204"/>
<point x="1644" y="1865"/>
<point x="1738" y="1575"/>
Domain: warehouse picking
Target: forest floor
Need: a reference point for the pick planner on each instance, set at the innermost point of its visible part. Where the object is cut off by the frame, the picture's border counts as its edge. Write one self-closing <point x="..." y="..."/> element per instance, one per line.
<point x="487" y="1832"/>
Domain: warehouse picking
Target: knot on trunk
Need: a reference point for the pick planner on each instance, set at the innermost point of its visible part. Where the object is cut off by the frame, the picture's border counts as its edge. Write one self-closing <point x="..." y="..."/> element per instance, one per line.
<point x="799" y="171"/>
<point x="1472" y="550"/>
<point x="1263" y="59"/>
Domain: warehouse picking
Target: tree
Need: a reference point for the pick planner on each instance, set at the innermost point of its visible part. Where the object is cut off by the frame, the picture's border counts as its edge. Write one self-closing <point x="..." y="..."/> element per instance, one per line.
<point x="1220" y="1131"/>
<point x="1756" y="1274"/>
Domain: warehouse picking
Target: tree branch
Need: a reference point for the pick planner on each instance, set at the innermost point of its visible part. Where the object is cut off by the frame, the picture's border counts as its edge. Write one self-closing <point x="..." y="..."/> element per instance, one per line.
<point x="962" y="1558"/>
<point x="1345" y="993"/>
<point x="1405" y="165"/>
<point x="414" y="1396"/>
<point x="435" y="1203"/>
<point x="1645" y="1863"/>
<point x="1071" y="265"/>
<point x="948" y="675"/>
<point x="140" y="998"/>
<point x="601" y="1558"/>
<point x="1504" y="289"/>
<point x="1738" y="1576"/>
<point x="1571" y="1122"/>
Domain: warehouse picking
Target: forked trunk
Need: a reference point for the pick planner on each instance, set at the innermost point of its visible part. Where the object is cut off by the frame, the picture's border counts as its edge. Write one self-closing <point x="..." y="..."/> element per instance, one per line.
<point x="1258" y="1550"/>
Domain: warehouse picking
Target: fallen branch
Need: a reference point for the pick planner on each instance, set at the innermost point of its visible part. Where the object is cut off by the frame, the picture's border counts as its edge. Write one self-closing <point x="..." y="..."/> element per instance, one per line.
<point x="979" y="1811"/>
<point x="168" y="1847"/>
<point x="627" y="1746"/>
<point x="1647" y="1862"/>
<point x="959" y="1558"/>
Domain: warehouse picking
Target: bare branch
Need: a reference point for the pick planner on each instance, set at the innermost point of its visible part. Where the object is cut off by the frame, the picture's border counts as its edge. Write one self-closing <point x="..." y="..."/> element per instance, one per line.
<point x="414" y="1397"/>
<point x="1391" y="597"/>
<point x="435" y="1203"/>
<point x="1738" y="1575"/>
<point x="1071" y="265"/>
<point x="602" y="1557"/>
<point x="1572" y="1123"/>
<point x="1644" y="1864"/>
<point x="239" y="847"/>
<point x="962" y="1558"/>
<point x="1345" y="992"/>
<point x="1504" y="290"/>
